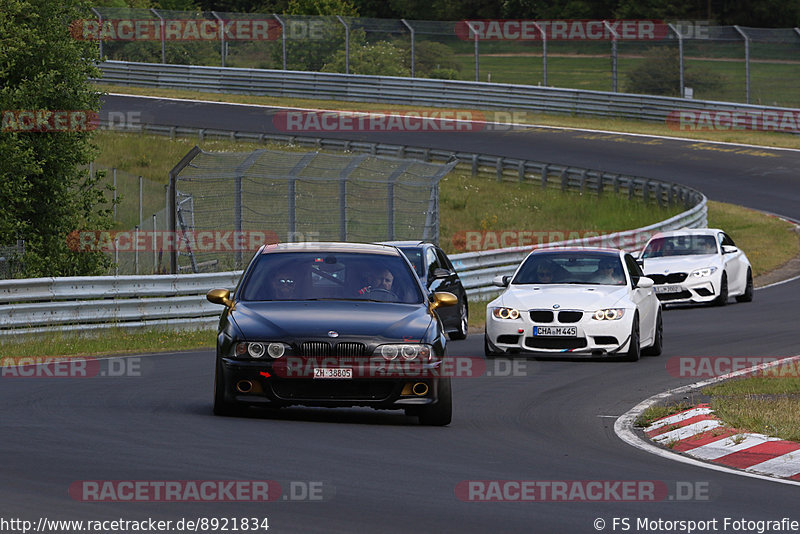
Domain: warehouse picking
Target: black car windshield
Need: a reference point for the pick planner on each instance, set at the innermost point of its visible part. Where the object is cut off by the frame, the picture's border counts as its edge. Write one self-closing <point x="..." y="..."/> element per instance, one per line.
<point x="571" y="268"/>
<point x="680" y="245"/>
<point x="414" y="255"/>
<point x="322" y="275"/>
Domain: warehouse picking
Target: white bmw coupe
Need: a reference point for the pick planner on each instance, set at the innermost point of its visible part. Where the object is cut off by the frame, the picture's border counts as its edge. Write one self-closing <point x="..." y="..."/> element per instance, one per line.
<point x="591" y="302"/>
<point x="697" y="266"/>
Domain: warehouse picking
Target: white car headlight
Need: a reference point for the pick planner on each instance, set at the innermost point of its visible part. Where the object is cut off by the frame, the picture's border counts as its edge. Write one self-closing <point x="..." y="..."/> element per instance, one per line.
<point x="608" y="314"/>
<point x="505" y="313"/>
<point x="700" y="273"/>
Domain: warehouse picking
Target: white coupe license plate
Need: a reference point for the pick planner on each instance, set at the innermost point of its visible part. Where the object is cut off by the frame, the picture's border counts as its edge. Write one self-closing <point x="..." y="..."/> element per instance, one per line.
<point x="333" y="372"/>
<point x="555" y="331"/>
<point x="668" y="289"/>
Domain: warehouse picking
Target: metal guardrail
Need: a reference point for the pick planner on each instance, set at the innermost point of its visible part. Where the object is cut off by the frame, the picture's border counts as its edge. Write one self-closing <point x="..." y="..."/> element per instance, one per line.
<point x="90" y="303"/>
<point x="410" y="91"/>
<point x="178" y="301"/>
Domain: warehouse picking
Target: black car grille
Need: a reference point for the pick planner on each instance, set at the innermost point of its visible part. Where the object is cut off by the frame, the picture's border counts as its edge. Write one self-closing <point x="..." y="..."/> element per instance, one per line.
<point x="555" y="342"/>
<point x="301" y="388"/>
<point x="541" y="316"/>
<point x="569" y="316"/>
<point x="674" y="296"/>
<point x="671" y="278"/>
<point x="322" y="349"/>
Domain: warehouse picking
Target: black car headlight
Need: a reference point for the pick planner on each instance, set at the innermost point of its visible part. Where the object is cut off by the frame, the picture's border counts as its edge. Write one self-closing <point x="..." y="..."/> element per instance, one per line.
<point x="405" y="351"/>
<point x="261" y="349"/>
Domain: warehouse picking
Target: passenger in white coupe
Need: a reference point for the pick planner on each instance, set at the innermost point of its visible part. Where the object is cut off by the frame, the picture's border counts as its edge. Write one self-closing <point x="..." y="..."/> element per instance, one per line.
<point x="608" y="272"/>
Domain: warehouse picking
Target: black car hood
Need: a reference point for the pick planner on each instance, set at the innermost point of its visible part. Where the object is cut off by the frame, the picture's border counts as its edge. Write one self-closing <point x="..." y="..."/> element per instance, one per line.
<point x="314" y="319"/>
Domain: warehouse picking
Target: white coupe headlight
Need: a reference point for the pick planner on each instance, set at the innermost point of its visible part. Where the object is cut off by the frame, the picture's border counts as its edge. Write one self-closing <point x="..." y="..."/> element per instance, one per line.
<point x="608" y="314"/>
<point x="505" y="313"/>
<point x="700" y="273"/>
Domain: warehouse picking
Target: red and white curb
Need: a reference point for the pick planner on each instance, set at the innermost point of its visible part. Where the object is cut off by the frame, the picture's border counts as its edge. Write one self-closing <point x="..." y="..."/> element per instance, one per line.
<point x="698" y="433"/>
<point x="750" y="455"/>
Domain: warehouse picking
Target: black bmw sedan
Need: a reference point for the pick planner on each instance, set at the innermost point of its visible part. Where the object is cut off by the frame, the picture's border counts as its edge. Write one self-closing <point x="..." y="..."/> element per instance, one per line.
<point x="332" y="324"/>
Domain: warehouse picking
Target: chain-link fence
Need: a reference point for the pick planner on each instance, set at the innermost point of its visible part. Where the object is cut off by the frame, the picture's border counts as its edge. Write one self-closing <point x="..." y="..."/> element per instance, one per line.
<point x="139" y="209"/>
<point x="726" y="63"/>
<point x="225" y="205"/>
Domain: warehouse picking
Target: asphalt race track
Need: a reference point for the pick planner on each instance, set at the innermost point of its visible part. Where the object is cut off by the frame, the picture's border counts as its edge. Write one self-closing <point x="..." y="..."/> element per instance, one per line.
<point x="552" y="420"/>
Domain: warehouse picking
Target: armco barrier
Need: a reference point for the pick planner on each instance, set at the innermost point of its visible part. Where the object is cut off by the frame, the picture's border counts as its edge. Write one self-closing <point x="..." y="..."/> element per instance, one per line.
<point x="409" y="91"/>
<point x="178" y="301"/>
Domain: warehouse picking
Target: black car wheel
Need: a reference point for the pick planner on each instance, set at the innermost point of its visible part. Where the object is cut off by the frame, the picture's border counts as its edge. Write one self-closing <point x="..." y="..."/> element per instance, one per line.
<point x="748" y="290"/>
<point x="463" y="323"/>
<point x="658" y="344"/>
<point x="220" y="406"/>
<point x="634" y="351"/>
<point x="722" y="299"/>
<point x="441" y="413"/>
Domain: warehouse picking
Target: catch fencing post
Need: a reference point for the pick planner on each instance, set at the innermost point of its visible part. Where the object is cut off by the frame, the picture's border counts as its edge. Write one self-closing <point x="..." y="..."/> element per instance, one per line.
<point x="614" y="37"/>
<point x="746" y="62"/>
<point x="410" y="29"/>
<point x="163" y="35"/>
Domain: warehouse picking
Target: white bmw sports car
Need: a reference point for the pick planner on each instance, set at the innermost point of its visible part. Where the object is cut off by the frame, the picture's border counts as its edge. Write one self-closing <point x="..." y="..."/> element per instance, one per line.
<point x="697" y="266"/>
<point x="593" y="302"/>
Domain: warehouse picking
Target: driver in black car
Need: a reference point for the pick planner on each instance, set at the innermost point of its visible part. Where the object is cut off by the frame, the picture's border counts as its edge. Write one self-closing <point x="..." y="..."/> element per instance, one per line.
<point x="380" y="280"/>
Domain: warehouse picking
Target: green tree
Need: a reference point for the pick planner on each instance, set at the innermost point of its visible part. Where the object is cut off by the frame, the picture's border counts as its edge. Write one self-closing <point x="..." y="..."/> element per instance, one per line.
<point x="45" y="189"/>
<point x="314" y="34"/>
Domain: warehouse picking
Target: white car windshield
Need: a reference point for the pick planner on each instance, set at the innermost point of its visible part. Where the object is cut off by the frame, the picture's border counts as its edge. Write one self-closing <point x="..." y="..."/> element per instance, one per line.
<point x="571" y="268"/>
<point x="682" y="245"/>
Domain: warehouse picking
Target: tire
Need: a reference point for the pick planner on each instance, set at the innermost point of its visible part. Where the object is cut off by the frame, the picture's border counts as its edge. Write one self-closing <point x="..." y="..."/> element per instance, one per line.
<point x="658" y="343"/>
<point x="722" y="299"/>
<point x="634" y="350"/>
<point x="441" y="413"/>
<point x="220" y="406"/>
<point x="748" y="289"/>
<point x="487" y="351"/>
<point x="463" y="323"/>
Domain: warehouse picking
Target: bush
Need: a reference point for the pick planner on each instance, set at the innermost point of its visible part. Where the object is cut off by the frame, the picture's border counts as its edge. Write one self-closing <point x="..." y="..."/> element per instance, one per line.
<point x="659" y="74"/>
<point x="379" y="59"/>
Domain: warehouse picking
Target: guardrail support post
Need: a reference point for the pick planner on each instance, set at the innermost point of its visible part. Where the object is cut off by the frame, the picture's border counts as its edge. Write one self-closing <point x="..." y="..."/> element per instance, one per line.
<point x="545" y="172"/>
<point x="499" y="169"/>
<point x="474" y="165"/>
<point x="564" y="180"/>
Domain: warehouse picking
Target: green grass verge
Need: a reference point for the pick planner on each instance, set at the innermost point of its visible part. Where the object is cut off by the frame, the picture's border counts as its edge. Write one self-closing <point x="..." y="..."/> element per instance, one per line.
<point x="111" y="341"/>
<point x="769" y="242"/>
<point x="762" y="404"/>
